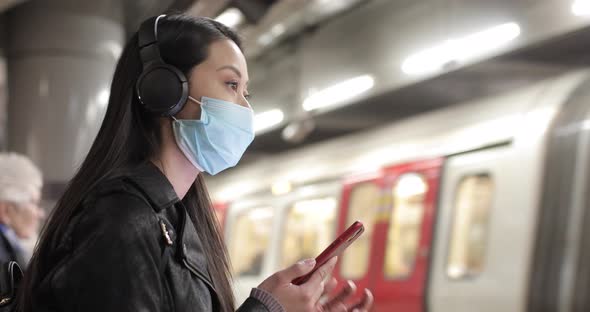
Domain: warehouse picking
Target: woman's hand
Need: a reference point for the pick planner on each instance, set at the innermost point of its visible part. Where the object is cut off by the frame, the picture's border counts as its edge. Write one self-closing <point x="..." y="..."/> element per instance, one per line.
<point x="306" y="297"/>
<point x="339" y="302"/>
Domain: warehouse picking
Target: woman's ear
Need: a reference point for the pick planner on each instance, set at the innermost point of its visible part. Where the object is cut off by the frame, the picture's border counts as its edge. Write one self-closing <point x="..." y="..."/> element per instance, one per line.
<point x="191" y="110"/>
<point x="5" y="213"/>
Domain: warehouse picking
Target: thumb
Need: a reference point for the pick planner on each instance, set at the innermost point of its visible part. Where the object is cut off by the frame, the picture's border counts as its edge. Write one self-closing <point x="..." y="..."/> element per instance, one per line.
<point x="298" y="269"/>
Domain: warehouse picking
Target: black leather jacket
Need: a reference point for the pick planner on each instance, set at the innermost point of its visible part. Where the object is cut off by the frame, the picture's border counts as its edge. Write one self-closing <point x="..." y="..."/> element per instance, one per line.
<point x="9" y="249"/>
<point x="132" y="248"/>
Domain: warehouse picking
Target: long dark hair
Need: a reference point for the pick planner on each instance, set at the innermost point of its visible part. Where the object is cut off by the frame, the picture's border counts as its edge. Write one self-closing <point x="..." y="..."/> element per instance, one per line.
<point x="128" y="136"/>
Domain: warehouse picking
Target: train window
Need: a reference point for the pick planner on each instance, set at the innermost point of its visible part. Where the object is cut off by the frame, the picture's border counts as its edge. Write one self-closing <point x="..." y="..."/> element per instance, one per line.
<point x="363" y="204"/>
<point x="405" y="225"/>
<point x="309" y="228"/>
<point x="250" y="240"/>
<point x="472" y="205"/>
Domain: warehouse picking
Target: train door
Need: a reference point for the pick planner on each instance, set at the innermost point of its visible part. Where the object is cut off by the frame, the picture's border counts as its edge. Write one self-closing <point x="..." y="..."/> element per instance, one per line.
<point x="484" y="224"/>
<point x="397" y="206"/>
<point x="402" y="237"/>
<point x="361" y="200"/>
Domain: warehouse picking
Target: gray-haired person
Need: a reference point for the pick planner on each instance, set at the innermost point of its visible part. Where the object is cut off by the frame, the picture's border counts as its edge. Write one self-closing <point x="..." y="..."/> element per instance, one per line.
<point x="20" y="214"/>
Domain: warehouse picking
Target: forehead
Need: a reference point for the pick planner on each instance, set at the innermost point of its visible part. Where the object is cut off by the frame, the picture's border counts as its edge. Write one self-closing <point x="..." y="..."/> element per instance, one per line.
<point x="226" y="52"/>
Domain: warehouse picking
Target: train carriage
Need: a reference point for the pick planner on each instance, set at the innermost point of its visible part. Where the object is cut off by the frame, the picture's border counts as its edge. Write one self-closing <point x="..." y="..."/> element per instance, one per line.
<point x="456" y="203"/>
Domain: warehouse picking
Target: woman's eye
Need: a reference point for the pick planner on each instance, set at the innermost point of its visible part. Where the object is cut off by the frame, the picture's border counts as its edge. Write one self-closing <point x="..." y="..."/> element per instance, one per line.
<point x="232" y="84"/>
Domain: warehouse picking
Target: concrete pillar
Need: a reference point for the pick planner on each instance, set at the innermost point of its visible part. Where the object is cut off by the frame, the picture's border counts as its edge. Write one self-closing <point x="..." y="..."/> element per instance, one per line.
<point x="61" y="58"/>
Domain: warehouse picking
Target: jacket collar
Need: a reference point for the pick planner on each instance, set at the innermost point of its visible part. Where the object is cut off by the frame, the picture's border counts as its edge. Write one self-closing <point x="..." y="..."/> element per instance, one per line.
<point x="154" y="184"/>
<point x="158" y="190"/>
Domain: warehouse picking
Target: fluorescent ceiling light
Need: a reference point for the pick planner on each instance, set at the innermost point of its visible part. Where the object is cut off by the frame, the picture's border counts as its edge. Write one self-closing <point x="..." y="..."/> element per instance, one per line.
<point x="269" y="36"/>
<point x="231" y="17"/>
<point x="265" y="39"/>
<point x="460" y="49"/>
<point x="277" y="30"/>
<point x="268" y="119"/>
<point x="581" y="8"/>
<point x="339" y="92"/>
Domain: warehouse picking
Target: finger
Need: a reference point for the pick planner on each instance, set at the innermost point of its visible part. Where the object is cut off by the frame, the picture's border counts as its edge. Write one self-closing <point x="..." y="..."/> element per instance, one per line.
<point x="330" y="286"/>
<point x="365" y="304"/>
<point x="315" y="285"/>
<point x="339" y="307"/>
<point x="319" y="308"/>
<point x="321" y="274"/>
<point x="340" y="298"/>
<point x="296" y="270"/>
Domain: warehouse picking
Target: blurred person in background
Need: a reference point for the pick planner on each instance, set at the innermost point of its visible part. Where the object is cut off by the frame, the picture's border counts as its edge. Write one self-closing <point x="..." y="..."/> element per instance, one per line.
<point x="135" y="229"/>
<point x="20" y="214"/>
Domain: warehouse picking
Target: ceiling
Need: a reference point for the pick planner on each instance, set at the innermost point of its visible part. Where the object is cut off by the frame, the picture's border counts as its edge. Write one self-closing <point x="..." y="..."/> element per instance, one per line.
<point x="324" y="39"/>
<point x="503" y="73"/>
<point x="339" y="45"/>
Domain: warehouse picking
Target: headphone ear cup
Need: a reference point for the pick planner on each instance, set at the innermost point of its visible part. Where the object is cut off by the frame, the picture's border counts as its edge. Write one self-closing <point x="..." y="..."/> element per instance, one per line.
<point x="162" y="89"/>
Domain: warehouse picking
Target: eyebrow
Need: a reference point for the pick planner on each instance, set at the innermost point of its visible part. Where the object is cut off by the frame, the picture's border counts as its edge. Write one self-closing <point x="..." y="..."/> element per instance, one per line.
<point x="232" y="68"/>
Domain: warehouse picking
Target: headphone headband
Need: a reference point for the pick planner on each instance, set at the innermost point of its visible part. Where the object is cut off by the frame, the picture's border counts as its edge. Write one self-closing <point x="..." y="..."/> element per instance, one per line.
<point x="148" y="31"/>
<point x="148" y="40"/>
<point x="161" y="88"/>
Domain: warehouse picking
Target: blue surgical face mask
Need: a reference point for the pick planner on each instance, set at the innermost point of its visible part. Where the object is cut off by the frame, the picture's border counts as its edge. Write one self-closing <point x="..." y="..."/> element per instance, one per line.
<point x="219" y="139"/>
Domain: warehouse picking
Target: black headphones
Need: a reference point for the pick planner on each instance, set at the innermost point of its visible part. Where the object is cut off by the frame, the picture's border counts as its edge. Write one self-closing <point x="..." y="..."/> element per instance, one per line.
<point x="162" y="89"/>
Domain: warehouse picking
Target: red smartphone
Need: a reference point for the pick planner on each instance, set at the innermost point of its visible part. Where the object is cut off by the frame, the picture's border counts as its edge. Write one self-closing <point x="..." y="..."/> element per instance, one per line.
<point x="335" y="249"/>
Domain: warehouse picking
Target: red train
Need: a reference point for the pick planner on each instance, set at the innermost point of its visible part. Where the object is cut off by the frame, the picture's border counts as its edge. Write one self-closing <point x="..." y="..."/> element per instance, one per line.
<point x="475" y="207"/>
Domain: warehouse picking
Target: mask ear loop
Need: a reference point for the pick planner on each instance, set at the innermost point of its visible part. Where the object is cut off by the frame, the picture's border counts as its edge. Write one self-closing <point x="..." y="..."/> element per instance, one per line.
<point x="192" y="99"/>
<point x="195" y="100"/>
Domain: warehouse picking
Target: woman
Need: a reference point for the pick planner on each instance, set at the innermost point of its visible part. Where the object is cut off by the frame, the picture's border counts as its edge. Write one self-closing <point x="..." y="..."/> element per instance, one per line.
<point x="134" y="230"/>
